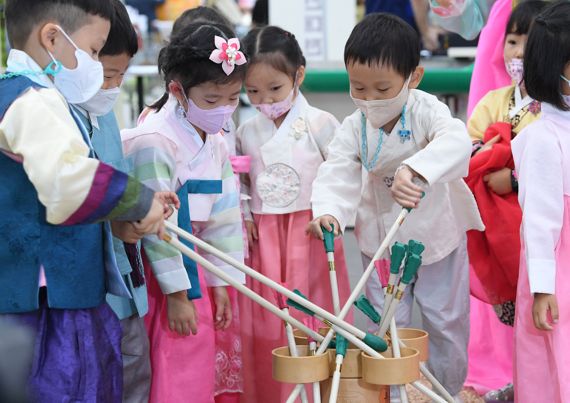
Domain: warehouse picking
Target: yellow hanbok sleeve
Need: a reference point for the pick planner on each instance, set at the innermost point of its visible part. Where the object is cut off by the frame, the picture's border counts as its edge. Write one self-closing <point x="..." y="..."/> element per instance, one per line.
<point x="492" y="108"/>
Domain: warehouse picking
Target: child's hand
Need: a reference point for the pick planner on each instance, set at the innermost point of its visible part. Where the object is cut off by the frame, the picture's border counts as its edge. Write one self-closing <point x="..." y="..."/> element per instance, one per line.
<point x="153" y="223"/>
<point x="125" y="231"/>
<point x="223" y="315"/>
<point x="489" y="144"/>
<point x="499" y="181"/>
<point x="314" y="227"/>
<point x="543" y="303"/>
<point x="182" y="315"/>
<point x="168" y="199"/>
<point x="251" y="229"/>
<point x="404" y="191"/>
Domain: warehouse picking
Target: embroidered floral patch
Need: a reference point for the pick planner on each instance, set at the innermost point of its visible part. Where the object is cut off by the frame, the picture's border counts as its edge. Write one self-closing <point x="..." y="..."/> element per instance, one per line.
<point x="534" y="107"/>
<point x="279" y="185"/>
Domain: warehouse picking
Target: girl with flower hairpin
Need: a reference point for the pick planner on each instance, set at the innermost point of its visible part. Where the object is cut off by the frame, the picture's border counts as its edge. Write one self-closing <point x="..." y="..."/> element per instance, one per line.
<point x="287" y="142"/>
<point x="178" y="146"/>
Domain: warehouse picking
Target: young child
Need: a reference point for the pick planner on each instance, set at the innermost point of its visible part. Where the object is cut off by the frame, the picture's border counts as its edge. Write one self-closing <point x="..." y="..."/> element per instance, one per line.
<point x="287" y="142"/>
<point x="494" y="253"/>
<point x="542" y="164"/>
<point x="400" y="135"/>
<point x="96" y="114"/>
<point x="55" y="271"/>
<point x="229" y="376"/>
<point x="179" y="147"/>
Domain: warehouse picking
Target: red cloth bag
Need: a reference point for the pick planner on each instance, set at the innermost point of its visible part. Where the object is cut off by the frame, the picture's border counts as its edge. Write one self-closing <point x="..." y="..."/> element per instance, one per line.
<point x="494" y="253"/>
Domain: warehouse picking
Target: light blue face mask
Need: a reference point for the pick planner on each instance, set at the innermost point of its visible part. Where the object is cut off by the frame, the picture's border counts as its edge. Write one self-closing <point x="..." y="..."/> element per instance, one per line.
<point x="51" y="69"/>
<point x="565" y="79"/>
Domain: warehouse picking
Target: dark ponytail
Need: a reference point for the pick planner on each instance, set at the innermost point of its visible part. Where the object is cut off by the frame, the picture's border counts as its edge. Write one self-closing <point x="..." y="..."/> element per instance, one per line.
<point x="275" y="46"/>
<point x="186" y="59"/>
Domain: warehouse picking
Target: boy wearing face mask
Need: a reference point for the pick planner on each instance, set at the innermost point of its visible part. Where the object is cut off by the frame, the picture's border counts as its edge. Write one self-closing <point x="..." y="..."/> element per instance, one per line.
<point x="403" y="137"/>
<point x="56" y="267"/>
<point x="97" y="115"/>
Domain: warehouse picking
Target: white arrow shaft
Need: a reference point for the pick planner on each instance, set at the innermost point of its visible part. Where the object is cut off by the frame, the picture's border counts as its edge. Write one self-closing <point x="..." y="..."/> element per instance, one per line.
<point x="358" y="288"/>
<point x="266" y="280"/>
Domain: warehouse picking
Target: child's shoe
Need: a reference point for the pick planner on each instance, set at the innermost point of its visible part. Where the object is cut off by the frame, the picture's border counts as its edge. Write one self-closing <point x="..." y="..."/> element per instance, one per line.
<point x="506" y="393"/>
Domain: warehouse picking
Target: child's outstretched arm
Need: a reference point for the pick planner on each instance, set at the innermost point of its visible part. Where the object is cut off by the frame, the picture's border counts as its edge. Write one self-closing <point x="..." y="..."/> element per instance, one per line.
<point x="336" y="190"/>
<point x="74" y="188"/>
<point x="446" y="155"/>
<point x="538" y="161"/>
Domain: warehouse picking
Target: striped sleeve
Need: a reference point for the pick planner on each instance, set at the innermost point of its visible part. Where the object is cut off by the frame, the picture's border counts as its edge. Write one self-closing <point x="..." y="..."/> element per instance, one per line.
<point x="74" y="188"/>
<point x="154" y="164"/>
<point x="224" y="228"/>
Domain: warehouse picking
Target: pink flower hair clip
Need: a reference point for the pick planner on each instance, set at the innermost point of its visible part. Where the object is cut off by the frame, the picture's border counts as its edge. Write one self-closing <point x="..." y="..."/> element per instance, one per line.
<point x="227" y="53"/>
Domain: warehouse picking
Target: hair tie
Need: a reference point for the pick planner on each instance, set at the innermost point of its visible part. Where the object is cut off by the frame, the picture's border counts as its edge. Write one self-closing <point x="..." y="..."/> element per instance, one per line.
<point x="227" y="53"/>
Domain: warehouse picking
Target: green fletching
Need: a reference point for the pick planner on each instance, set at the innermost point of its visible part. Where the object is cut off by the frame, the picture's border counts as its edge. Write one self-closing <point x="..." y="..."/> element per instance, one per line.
<point x="413" y="263"/>
<point x="300" y="294"/>
<point x="416" y="247"/>
<point x="298" y="306"/>
<point x="398" y="254"/>
<point x="341" y="345"/>
<point x="366" y="308"/>
<point x="328" y="239"/>
<point x="375" y="342"/>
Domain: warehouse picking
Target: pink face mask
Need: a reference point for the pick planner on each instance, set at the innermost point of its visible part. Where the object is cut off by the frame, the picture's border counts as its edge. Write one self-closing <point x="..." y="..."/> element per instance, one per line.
<point x="276" y="109"/>
<point x="210" y="120"/>
<point x="516" y="70"/>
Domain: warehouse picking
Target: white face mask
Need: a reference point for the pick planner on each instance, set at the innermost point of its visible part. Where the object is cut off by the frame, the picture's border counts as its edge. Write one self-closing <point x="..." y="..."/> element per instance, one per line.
<point x="83" y="82"/>
<point x="102" y="102"/>
<point x="380" y="112"/>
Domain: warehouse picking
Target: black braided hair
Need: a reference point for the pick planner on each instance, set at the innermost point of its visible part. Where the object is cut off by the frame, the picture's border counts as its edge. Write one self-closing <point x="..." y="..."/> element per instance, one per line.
<point x="275" y="46"/>
<point x="186" y="58"/>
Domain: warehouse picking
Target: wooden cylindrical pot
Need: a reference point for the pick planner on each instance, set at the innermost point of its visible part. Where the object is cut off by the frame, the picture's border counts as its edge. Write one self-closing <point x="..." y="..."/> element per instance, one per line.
<point x="351" y="365"/>
<point x="302" y="369"/>
<point x="355" y="390"/>
<point x="392" y="371"/>
<point x="416" y="338"/>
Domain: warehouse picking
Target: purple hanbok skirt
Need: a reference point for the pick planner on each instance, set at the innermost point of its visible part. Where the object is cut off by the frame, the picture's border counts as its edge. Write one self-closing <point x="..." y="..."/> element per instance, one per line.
<point x="77" y="354"/>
